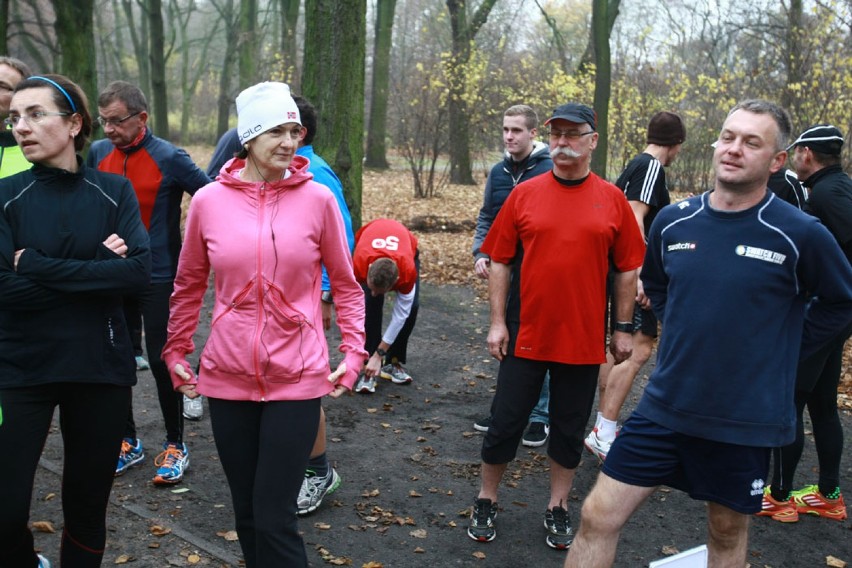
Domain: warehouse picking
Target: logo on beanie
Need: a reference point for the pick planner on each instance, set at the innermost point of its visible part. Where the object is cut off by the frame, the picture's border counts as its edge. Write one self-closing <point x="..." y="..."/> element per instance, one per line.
<point x="291" y="115"/>
<point x="250" y="132"/>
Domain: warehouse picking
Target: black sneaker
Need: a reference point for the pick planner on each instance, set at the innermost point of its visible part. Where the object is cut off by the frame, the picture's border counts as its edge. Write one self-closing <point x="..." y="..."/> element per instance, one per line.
<point x="560" y="535"/>
<point x="482" y="424"/>
<point x="536" y="434"/>
<point x="482" y="517"/>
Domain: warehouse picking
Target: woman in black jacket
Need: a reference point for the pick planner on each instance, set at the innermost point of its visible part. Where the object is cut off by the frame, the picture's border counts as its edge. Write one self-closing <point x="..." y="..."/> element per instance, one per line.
<point x="72" y="244"/>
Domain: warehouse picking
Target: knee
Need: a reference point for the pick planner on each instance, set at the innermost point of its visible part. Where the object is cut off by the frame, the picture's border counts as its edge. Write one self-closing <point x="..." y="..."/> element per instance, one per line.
<point x="598" y="516"/>
<point x="726" y="532"/>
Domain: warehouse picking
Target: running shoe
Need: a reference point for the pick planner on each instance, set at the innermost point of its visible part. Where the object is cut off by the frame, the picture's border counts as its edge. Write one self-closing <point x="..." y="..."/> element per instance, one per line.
<point x="193" y="408"/>
<point x="314" y="489"/>
<point x="536" y="435"/>
<point x="131" y="454"/>
<point x="482" y="517"/>
<point x="396" y="373"/>
<point x="782" y="511"/>
<point x="599" y="448"/>
<point x="171" y="464"/>
<point x="560" y="535"/>
<point x="809" y="500"/>
<point x="43" y="562"/>
<point x="142" y="364"/>
<point x="365" y="384"/>
<point x="482" y="425"/>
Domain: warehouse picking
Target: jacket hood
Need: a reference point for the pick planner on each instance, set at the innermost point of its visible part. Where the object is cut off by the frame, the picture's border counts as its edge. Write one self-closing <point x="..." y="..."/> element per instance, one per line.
<point x="539" y="152"/>
<point x="229" y="176"/>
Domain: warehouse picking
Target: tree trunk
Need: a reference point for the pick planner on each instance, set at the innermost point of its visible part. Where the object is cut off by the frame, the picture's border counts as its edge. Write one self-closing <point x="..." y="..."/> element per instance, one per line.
<point x="462" y="40"/>
<point x="158" y="96"/>
<point x="377" y="131"/>
<point x="333" y="80"/>
<point x="589" y="55"/>
<point x="140" y="43"/>
<point x="248" y="43"/>
<point x="601" y="27"/>
<point x="4" y="26"/>
<point x="794" y="55"/>
<point x="226" y="13"/>
<point x="289" y="47"/>
<point x="76" y="39"/>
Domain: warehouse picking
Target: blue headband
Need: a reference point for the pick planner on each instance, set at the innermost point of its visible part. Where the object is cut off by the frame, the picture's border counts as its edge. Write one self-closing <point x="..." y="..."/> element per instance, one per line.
<point x="58" y="86"/>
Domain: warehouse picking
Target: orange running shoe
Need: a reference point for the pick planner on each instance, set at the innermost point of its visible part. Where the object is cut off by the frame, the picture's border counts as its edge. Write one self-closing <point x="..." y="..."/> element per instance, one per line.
<point x="809" y="500"/>
<point x="782" y="511"/>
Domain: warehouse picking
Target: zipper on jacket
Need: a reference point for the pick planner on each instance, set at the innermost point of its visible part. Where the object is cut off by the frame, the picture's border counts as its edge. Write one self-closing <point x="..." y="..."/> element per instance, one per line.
<point x="258" y="331"/>
<point x="111" y="332"/>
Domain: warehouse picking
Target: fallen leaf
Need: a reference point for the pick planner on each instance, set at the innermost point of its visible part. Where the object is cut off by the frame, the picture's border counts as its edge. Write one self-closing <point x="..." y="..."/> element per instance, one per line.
<point x="322" y="526"/>
<point x="372" y="493"/>
<point x="180" y="490"/>
<point x="834" y="562"/>
<point x="372" y="410"/>
<point x="49" y="496"/>
<point x="43" y="526"/>
<point x="372" y="564"/>
<point x="479" y="555"/>
<point x="193" y="559"/>
<point x="418" y="533"/>
<point x="414" y="493"/>
<point x="419" y="550"/>
<point x="124" y="559"/>
<point x="157" y="530"/>
<point x="230" y="536"/>
<point x="153" y="545"/>
<point x="670" y="550"/>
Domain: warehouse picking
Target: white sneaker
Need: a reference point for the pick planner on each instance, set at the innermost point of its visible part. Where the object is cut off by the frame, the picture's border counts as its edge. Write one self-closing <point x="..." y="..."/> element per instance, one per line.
<point x="396" y="373"/>
<point x="599" y="448"/>
<point x="193" y="408"/>
<point x="365" y="384"/>
<point x="314" y="489"/>
<point x="142" y="364"/>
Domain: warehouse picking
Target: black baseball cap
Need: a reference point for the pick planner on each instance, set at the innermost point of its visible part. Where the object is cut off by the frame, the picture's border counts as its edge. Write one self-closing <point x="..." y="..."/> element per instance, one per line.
<point x="822" y="138"/>
<point x="574" y="112"/>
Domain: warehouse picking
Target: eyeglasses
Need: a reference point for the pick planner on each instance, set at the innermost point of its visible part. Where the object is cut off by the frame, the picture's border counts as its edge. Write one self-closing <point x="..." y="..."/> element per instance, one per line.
<point x="569" y="134"/>
<point x="32" y="117"/>
<point x="116" y="121"/>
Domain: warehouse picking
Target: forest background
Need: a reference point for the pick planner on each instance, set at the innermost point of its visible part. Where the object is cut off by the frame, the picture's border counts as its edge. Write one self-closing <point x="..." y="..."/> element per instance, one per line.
<point x="414" y="90"/>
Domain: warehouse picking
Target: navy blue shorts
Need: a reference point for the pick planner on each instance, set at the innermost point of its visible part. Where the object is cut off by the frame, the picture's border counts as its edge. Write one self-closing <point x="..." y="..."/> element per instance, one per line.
<point x="646" y="454"/>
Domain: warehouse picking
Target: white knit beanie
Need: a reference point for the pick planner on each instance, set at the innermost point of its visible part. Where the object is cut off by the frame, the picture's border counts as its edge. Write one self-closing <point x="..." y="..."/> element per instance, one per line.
<point x="264" y="106"/>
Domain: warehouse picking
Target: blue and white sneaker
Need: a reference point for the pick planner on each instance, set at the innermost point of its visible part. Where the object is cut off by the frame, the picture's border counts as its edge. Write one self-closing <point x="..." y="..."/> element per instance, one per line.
<point x="172" y="462"/>
<point x="43" y="562"/>
<point x="131" y="454"/>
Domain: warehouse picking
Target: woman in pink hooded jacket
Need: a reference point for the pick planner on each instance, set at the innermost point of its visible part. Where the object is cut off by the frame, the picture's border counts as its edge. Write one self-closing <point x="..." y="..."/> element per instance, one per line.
<point x="265" y="228"/>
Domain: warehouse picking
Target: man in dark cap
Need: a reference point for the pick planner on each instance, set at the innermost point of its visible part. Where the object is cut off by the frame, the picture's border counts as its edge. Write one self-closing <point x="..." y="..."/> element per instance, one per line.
<point x="569" y="222"/>
<point x="643" y="181"/>
<point x="728" y="273"/>
<point x="816" y="158"/>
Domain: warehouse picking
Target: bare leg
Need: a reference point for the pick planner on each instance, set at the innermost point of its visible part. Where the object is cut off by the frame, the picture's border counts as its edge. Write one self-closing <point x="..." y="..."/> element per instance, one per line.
<point x="621" y="377"/>
<point x="319" y="442"/>
<point x="605" y="511"/>
<point x="728" y="537"/>
<point x="490" y="475"/>
<point x="561" y="480"/>
<point x="603" y="376"/>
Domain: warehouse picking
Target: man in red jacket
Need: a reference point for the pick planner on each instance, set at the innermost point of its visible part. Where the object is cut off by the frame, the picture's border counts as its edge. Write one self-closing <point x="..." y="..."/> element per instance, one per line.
<point x="386" y="260"/>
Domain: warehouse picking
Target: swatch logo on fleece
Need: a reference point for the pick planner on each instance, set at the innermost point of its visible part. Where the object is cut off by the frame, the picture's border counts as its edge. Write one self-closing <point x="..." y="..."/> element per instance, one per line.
<point x="687" y="246"/>
<point x="760" y="254"/>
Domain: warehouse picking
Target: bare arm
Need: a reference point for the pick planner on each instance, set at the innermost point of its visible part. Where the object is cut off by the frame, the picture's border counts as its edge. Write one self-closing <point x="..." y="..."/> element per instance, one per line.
<point x="498" y="290"/>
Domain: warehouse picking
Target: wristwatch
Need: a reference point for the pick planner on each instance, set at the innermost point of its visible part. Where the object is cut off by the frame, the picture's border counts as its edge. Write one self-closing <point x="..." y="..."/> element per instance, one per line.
<point x="625" y="326"/>
<point x="381" y="352"/>
<point x="326" y="297"/>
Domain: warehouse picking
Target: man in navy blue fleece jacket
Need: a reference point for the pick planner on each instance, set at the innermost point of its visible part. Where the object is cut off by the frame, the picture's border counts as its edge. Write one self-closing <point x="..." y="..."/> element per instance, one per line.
<point x="729" y="274"/>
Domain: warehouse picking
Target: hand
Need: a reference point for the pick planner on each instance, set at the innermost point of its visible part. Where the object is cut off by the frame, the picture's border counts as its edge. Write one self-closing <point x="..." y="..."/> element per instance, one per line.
<point x="338" y="390"/>
<point x="182" y="373"/>
<point x="116" y="245"/>
<point x="621" y="346"/>
<point x="339" y="372"/>
<point x="481" y="267"/>
<point x="327" y="310"/>
<point x="18" y="254"/>
<point x="188" y="391"/>
<point x="498" y="341"/>
<point x="373" y="366"/>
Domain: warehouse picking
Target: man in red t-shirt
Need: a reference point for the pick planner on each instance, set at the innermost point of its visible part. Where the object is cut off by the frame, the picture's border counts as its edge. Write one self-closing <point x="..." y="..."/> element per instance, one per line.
<point x="570" y="223"/>
<point x="386" y="260"/>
